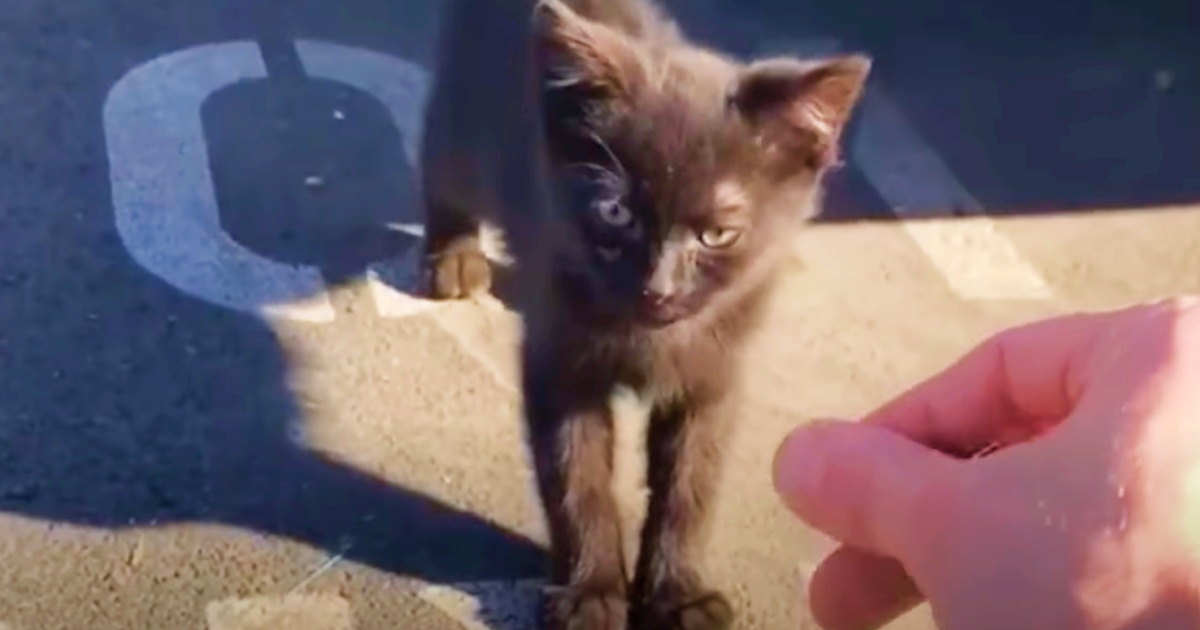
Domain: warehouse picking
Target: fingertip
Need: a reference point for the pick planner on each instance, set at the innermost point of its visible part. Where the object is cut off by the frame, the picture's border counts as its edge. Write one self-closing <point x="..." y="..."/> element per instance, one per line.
<point x="857" y="590"/>
<point x="798" y="460"/>
<point x="865" y="485"/>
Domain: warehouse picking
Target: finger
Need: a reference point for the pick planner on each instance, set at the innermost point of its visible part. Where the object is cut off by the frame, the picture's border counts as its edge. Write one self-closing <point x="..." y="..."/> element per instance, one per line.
<point x="1011" y="387"/>
<point x="854" y="589"/>
<point x="996" y="393"/>
<point x="863" y="485"/>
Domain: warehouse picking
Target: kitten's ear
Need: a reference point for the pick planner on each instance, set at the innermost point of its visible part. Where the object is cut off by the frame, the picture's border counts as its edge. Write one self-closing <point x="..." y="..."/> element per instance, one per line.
<point x="802" y="107"/>
<point x="578" y="54"/>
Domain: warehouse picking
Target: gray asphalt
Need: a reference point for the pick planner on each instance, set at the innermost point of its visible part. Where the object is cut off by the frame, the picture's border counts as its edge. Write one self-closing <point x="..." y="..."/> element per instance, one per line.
<point x="1039" y="106"/>
<point x="125" y="402"/>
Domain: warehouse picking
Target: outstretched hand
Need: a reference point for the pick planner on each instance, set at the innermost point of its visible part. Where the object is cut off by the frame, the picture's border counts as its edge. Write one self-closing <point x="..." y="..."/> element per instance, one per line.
<point x="1088" y="516"/>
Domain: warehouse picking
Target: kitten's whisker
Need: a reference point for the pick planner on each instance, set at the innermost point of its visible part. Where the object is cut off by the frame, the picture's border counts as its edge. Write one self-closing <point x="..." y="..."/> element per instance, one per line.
<point x="601" y="174"/>
<point x="612" y="156"/>
<point x="562" y="81"/>
<point x="591" y="166"/>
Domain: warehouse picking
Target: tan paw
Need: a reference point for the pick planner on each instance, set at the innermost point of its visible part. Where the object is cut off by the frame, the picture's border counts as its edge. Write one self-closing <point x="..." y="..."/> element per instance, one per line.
<point x="585" y="609"/>
<point x="706" y="611"/>
<point x="459" y="270"/>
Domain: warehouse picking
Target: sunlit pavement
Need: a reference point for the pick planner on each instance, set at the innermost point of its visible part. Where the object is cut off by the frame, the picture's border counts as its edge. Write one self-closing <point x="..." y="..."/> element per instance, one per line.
<point x="220" y="410"/>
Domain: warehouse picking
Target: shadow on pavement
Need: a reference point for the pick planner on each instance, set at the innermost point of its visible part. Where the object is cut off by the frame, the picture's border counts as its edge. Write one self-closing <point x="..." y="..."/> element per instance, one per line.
<point x="124" y="401"/>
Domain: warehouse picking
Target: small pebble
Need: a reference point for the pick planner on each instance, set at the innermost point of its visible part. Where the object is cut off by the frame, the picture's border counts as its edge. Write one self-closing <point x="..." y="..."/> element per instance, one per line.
<point x="338" y="115"/>
<point x="135" y="555"/>
<point x="314" y="181"/>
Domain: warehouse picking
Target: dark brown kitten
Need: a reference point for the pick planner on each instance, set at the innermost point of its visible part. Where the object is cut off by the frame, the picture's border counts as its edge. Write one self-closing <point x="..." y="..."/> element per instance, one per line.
<point x="677" y="179"/>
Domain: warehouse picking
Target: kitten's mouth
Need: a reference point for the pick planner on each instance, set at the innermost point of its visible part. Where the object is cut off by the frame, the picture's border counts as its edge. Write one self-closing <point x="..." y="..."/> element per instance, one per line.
<point x="660" y="315"/>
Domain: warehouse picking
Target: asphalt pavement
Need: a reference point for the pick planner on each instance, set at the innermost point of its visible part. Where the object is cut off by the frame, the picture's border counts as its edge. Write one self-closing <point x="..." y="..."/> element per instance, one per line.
<point x="220" y="410"/>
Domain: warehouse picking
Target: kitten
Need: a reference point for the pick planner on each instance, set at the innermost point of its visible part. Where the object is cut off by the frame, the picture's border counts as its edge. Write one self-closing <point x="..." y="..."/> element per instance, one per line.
<point x="672" y="181"/>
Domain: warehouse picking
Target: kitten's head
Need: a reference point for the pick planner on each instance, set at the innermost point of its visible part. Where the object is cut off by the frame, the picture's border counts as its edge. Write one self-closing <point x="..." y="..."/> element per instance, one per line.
<point x="682" y="174"/>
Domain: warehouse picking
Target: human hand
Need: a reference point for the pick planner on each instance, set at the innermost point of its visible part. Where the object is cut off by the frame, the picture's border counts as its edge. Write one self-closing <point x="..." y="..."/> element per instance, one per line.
<point x="1087" y="517"/>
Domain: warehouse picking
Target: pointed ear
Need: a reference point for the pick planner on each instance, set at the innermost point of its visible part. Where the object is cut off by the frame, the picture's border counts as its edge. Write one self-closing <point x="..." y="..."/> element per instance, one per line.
<point x="801" y="107"/>
<point x="580" y="56"/>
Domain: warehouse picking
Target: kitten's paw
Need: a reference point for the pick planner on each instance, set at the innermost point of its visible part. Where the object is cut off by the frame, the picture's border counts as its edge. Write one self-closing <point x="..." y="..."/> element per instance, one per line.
<point x="704" y="611"/>
<point x="585" y="609"/>
<point x="458" y="270"/>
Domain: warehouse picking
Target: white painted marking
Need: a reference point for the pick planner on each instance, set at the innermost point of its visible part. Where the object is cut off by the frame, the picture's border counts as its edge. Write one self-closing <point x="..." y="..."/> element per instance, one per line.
<point x="900" y="165"/>
<point x="164" y="203"/>
<point x="288" y="612"/>
<point x="495" y="605"/>
<point x="402" y="87"/>
<point x="395" y="286"/>
<point x="977" y="261"/>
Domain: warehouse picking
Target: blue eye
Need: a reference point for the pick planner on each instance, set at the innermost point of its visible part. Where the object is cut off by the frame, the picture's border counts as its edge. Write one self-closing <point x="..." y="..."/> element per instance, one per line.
<point x="613" y="212"/>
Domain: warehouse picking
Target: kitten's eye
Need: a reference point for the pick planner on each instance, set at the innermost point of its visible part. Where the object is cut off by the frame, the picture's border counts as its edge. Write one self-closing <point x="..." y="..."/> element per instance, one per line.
<point x="614" y="213"/>
<point x="720" y="237"/>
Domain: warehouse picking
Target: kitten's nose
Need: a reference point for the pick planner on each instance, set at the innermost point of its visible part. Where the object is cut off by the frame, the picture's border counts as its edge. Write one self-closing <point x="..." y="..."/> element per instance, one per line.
<point x="660" y="308"/>
<point x="656" y="296"/>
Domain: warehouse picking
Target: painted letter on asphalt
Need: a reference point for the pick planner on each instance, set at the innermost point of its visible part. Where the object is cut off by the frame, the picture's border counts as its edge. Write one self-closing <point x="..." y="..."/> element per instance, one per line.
<point x="163" y="194"/>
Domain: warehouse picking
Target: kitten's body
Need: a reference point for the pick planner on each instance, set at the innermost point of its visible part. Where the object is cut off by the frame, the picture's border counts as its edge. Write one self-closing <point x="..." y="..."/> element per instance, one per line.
<point x="671" y="181"/>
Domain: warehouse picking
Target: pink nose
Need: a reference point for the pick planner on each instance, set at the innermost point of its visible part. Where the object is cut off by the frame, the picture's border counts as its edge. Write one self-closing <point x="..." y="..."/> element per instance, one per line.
<point x="655" y="296"/>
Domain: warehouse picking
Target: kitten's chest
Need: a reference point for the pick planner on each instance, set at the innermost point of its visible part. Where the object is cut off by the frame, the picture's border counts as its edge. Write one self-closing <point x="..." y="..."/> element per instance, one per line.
<point x="667" y="362"/>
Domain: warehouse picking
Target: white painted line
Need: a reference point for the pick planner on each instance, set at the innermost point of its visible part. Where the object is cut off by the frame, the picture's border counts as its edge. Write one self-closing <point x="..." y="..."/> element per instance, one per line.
<point x="164" y="203"/>
<point x="290" y="612"/>
<point x="494" y="605"/>
<point x="977" y="261"/>
<point x="395" y="285"/>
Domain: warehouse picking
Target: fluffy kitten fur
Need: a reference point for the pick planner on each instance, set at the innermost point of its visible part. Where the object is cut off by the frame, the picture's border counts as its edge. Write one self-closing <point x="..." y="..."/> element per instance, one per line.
<point x="647" y="188"/>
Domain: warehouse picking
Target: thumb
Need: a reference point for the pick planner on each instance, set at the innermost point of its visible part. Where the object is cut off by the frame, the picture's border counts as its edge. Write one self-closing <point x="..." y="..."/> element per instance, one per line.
<point x="864" y="484"/>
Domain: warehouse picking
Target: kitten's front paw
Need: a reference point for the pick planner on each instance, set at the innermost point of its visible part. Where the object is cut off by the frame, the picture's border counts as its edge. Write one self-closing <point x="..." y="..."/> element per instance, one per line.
<point x="458" y="270"/>
<point x="585" y="609"/>
<point x="705" y="611"/>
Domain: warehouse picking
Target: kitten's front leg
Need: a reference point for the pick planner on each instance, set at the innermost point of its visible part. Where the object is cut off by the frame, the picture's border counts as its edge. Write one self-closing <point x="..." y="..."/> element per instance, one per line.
<point x="571" y="436"/>
<point x="684" y="448"/>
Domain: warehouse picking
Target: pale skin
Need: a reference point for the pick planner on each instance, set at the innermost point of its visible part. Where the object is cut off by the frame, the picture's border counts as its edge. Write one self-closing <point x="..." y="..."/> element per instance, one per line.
<point x="1086" y="517"/>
